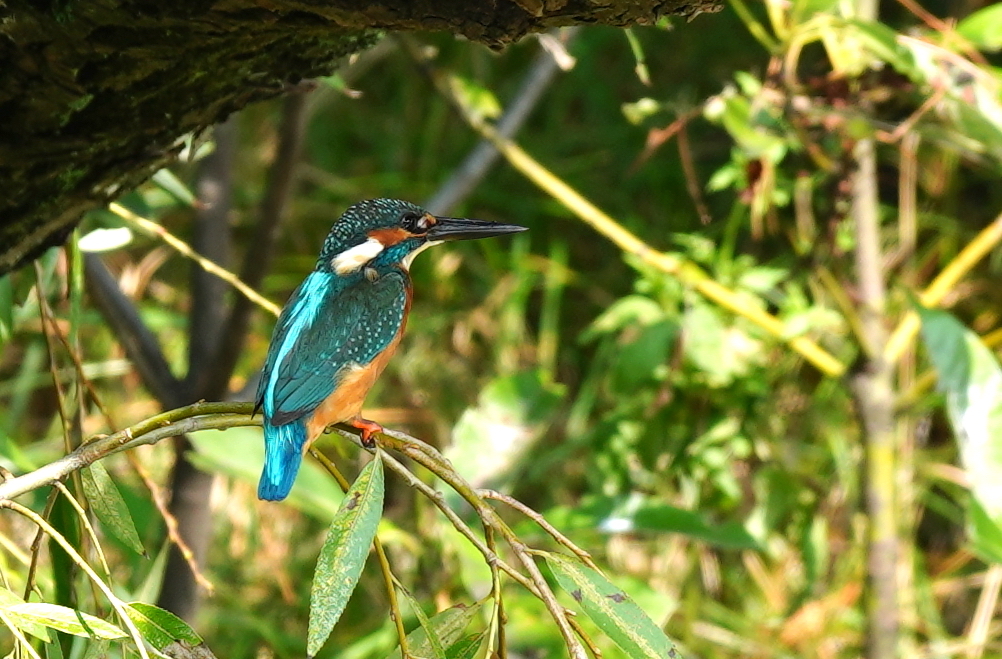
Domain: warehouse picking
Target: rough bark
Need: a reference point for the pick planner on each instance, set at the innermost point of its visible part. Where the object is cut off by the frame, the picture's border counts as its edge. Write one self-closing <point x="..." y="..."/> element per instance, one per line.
<point x="97" y="95"/>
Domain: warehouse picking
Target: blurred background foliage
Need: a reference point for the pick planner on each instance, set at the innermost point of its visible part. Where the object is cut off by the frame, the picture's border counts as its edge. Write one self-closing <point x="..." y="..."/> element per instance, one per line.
<point x="712" y="470"/>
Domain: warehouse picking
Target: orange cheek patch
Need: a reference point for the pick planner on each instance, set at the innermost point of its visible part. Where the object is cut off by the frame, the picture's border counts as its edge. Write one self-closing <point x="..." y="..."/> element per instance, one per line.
<point x="390" y="237"/>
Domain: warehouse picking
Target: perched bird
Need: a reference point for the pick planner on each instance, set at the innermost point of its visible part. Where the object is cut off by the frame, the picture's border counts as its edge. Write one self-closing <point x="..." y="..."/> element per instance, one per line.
<point x="341" y="325"/>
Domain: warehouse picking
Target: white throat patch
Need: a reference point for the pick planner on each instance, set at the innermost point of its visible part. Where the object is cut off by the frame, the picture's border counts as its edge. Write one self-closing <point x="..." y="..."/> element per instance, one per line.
<point x="354" y="258"/>
<point x="410" y="257"/>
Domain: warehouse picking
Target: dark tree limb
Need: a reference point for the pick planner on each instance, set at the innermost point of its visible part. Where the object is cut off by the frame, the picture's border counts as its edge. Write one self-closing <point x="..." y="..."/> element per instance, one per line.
<point x="260" y="249"/>
<point x="190" y="487"/>
<point x="212" y="239"/>
<point x="96" y="96"/>
<point x="140" y="345"/>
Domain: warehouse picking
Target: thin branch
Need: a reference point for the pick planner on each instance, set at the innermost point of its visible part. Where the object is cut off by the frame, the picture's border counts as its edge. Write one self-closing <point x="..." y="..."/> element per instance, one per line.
<point x="430" y="459"/>
<point x="170" y="522"/>
<point x="744" y="305"/>
<point x="116" y="603"/>
<point x="692" y="183"/>
<point x="541" y="521"/>
<point x="957" y="269"/>
<point x="154" y="229"/>
<point x="261" y="249"/>
<point x="199" y="416"/>
<point x="140" y="344"/>
<point x="438" y="500"/>
<point x="475" y="166"/>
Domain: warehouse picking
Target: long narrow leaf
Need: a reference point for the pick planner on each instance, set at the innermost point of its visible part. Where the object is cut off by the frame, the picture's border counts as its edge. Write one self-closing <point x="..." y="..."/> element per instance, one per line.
<point x="63" y="619"/>
<point x="161" y="628"/>
<point x="970" y="377"/>
<point x="110" y="507"/>
<point x="344" y="552"/>
<point x="449" y="626"/>
<point x="612" y="610"/>
<point x="434" y="642"/>
<point x="7" y="599"/>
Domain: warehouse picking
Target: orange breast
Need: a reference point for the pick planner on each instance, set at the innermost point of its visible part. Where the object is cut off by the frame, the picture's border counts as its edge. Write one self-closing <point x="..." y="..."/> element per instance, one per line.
<point x="346" y="401"/>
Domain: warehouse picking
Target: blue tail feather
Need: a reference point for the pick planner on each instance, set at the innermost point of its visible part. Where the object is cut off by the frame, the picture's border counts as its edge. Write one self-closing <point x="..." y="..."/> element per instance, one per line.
<point x="282" y="457"/>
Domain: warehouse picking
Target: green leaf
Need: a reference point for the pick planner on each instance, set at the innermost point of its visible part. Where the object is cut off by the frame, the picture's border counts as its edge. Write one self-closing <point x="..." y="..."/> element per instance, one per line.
<point x="160" y="628"/>
<point x="437" y="647"/>
<point x="109" y="506"/>
<point x="344" y="552"/>
<point x="55" y="650"/>
<point x="669" y="519"/>
<point x="8" y="599"/>
<point x="985" y="533"/>
<point x="612" y="610"/>
<point x="172" y="185"/>
<point x="512" y="413"/>
<point x="970" y="377"/>
<point x="477" y="99"/>
<point x="63" y="619"/>
<point x="468" y="647"/>
<point x="449" y="625"/>
<point x="983" y="28"/>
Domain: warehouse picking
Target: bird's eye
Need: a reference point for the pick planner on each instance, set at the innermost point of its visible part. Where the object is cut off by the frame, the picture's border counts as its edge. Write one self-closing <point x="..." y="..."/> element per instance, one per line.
<point x="414" y="223"/>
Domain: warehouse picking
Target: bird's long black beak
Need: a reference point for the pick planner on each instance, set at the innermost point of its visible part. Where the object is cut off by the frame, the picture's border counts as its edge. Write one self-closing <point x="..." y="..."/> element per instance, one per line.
<point x="461" y="228"/>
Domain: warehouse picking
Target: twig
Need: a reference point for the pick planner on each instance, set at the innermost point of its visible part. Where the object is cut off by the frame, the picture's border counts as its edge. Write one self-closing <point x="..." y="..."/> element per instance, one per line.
<point x="36" y="544"/>
<point x="439" y="501"/>
<point x="170" y="522"/>
<point x="743" y="305"/>
<point x="88" y="570"/>
<point x="139" y="343"/>
<point x="154" y="229"/>
<point x="261" y="249"/>
<point x="87" y="526"/>
<point x="951" y="275"/>
<point x="691" y="178"/>
<point x="384" y="564"/>
<point x="475" y="166"/>
<point x="539" y="519"/>
<point x="434" y="462"/>
<point x="199" y="416"/>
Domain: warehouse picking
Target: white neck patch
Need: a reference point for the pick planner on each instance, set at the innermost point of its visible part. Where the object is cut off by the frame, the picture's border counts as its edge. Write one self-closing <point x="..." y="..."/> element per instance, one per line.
<point x="410" y="257"/>
<point x="354" y="258"/>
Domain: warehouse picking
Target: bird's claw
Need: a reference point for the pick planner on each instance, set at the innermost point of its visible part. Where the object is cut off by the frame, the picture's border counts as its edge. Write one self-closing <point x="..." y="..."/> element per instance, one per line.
<point x="369" y="429"/>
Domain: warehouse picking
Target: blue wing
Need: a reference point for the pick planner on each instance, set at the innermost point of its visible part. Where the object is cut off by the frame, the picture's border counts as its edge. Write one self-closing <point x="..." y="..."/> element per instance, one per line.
<point x="324" y="329"/>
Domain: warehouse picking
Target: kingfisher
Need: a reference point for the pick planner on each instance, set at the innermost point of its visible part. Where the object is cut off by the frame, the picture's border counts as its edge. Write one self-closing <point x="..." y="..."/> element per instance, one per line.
<point x="341" y="326"/>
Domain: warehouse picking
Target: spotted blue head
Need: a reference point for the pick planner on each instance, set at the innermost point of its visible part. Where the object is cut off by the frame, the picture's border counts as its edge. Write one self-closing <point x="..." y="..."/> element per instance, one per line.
<point x="377" y="234"/>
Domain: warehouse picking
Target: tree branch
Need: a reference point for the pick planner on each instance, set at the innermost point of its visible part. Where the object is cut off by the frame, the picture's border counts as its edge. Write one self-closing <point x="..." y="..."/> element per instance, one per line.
<point x="281" y="179"/>
<point x="140" y="344"/>
<point x="212" y="239"/>
<point x="482" y="158"/>
<point x="872" y="385"/>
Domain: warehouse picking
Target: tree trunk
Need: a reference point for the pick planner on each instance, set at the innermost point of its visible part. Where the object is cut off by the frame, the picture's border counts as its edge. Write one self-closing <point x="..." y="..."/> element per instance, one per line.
<point x="96" y="96"/>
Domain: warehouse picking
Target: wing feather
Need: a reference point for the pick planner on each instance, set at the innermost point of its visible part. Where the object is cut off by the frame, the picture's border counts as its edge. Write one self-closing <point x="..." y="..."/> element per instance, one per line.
<point x="347" y="327"/>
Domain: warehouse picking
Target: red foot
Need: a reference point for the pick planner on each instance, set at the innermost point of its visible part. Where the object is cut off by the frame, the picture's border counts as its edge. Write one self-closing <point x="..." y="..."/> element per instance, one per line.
<point x="368" y="428"/>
